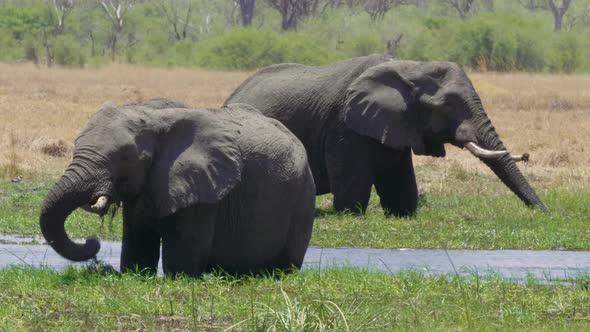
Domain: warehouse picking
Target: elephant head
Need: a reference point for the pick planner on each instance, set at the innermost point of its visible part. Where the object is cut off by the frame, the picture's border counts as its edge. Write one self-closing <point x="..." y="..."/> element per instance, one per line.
<point x="161" y="160"/>
<point x="423" y="105"/>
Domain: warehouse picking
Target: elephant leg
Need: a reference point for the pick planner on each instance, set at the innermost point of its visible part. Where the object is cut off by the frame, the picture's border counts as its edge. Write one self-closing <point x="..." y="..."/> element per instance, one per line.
<point x="350" y="170"/>
<point x="396" y="187"/>
<point x="351" y="190"/>
<point x="140" y="248"/>
<point x="187" y="237"/>
<point x="299" y="233"/>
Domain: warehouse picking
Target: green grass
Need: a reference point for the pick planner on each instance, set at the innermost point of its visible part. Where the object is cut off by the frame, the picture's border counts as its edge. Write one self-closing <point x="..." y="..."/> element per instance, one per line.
<point x="329" y="300"/>
<point x="332" y="300"/>
<point x="462" y="221"/>
<point x="444" y="220"/>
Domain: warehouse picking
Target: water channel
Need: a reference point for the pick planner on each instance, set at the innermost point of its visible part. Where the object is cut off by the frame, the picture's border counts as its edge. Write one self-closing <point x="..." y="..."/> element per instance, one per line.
<point x="517" y="265"/>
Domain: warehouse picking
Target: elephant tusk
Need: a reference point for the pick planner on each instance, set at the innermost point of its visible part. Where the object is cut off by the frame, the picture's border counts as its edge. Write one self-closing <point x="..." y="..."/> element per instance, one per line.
<point x="480" y="152"/>
<point x="520" y="157"/>
<point x="100" y="204"/>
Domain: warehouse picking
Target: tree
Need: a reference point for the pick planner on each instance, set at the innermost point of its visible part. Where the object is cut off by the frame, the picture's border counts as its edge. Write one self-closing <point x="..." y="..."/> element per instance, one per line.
<point x="488" y="5"/>
<point x="578" y="15"/>
<point x="173" y="10"/>
<point x="293" y="11"/>
<point x="247" y="11"/>
<point x="58" y="10"/>
<point x="533" y="4"/>
<point x="558" y="11"/>
<point x="378" y="8"/>
<point x="463" y="7"/>
<point x="116" y="10"/>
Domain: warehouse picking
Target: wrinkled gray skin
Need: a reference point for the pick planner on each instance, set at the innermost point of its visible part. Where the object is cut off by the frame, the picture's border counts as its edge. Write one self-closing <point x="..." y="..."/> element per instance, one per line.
<point x="224" y="188"/>
<point x="360" y="119"/>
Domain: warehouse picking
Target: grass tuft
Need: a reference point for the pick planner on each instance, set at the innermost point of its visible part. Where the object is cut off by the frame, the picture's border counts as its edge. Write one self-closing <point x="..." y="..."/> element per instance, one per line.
<point x="352" y="300"/>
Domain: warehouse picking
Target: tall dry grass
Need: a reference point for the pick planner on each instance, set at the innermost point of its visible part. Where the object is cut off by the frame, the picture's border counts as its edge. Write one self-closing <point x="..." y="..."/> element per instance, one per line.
<point x="38" y="104"/>
<point x="545" y="115"/>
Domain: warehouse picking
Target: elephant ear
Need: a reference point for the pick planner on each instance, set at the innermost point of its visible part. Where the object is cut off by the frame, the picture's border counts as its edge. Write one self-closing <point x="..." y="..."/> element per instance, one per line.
<point x="198" y="160"/>
<point x="381" y="104"/>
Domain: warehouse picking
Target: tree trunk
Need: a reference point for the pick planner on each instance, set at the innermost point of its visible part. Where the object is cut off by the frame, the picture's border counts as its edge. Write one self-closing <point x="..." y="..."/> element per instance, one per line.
<point x="114" y="46"/>
<point x="247" y="11"/>
<point x="558" y="13"/>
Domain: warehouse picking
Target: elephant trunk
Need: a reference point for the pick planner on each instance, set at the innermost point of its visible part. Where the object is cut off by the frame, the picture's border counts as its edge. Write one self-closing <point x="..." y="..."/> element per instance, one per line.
<point x="503" y="166"/>
<point x="75" y="188"/>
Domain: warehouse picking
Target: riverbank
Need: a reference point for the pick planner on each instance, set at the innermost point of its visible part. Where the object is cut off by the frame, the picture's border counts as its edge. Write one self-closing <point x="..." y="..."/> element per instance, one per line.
<point x="342" y="299"/>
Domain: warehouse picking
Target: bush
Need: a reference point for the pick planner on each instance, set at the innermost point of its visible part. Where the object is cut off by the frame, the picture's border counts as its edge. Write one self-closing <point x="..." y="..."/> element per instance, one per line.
<point x="22" y="20"/>
<point x="250" y="49"/>
<point x="504" y="40"/>
<point x="67" y="51"/>
<point x="154" y="49"/>
<point x="530" y="54"/>
<point x="484" y="42"/>
<point x="565" y="53"/>
<point x="11" y="50"/>
<point x="185" y="52"/>
<point x="364" y="45"/>
<point x="31" y="49"/>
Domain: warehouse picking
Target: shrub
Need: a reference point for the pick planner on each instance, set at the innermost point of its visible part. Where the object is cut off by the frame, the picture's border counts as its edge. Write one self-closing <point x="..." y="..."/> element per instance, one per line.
<point x="249" y="49"/>
<point x="11" y="50"/>
<point x="484" y="42"/>
<point x="565" y="53"/>
<point x="530" y="54"/>
<point x="67" y="51"/>
<point x="185" y="52"/>
<point x="31" y="49"/>
<point x="364" y="45"/>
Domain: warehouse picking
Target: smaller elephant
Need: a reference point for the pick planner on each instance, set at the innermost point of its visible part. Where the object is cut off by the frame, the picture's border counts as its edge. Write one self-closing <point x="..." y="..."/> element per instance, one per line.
<point x="217" y="188"/>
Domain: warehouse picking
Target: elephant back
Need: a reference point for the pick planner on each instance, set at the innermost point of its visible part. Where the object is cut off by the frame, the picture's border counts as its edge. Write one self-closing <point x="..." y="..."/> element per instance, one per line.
<point x="266" y="143"/>
<point x="295" y="94"/>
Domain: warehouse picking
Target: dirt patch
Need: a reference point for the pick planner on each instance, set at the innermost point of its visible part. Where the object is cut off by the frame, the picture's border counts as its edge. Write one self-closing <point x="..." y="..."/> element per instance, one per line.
<point x="54" y="147"/>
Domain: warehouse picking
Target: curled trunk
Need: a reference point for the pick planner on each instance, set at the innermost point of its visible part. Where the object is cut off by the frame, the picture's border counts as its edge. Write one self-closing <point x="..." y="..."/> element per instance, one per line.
<point x="69" y="193"/>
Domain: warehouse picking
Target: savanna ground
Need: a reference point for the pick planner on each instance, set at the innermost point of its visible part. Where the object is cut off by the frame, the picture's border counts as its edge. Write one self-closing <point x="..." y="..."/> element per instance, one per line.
<point x="462" y="205"/>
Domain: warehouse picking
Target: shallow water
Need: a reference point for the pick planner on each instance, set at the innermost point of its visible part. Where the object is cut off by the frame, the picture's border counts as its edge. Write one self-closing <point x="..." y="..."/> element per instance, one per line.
<point x="518" y="265"/>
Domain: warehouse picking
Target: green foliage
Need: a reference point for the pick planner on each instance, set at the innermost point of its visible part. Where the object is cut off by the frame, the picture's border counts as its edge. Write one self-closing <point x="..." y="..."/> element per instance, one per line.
<point x="154" y="49"/>
<point x="185" y="52"/>
<point x="487" y="41"/>
<point x="249" y="49"/>
<point x="508" y="38"/>
<point x="31" y="48"/>
<point x="364" y="45"/>
<point x="67" y="51"/>
<point x="445" y="220"/>
<point x="11" y="50"/>
<point x="566" y="53"/>
<point x="20" y="20"/>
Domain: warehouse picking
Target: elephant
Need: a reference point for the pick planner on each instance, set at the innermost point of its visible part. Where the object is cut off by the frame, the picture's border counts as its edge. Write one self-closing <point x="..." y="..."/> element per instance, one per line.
<point x="360" y="119"/>
<point x="217" y="188"/>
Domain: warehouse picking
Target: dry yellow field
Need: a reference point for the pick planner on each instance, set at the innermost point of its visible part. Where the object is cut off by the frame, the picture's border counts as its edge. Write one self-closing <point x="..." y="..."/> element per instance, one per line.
<point x="545" y="115"/>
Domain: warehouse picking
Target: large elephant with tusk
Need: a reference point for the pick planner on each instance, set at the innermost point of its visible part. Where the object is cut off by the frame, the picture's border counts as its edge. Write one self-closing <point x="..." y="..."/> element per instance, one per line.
<point x="360" y="119"/>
